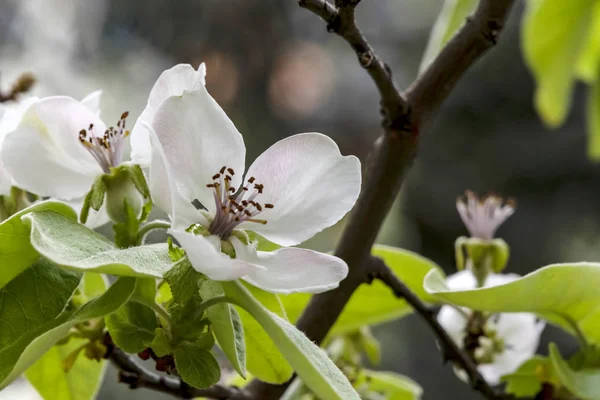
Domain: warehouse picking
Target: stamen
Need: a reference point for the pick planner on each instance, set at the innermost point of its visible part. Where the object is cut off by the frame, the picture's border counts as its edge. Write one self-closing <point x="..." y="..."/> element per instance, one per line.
<point x="107" y="149"/>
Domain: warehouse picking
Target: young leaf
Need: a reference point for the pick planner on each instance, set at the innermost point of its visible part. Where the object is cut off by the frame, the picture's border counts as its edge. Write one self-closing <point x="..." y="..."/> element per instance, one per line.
<point x="197" y="366"/>
<point x="375" y="303"/>
<point x="527" y="380"/>
<point x="311" y="363"/>
<point x="16" y="252"/>
<point x="589" y="60"/>
<point x="183" y="280"/>
<point x="226" y="325"/>
<point x="593" y="120"/>
<point x="394" y="386"/>
<point x="553" y="35"/>
<point x="565" y="294"/>
<point x="81" y="382"/>
<point x="76" y="247"/>
<point x="584" y="383"/>
<point x="132" y="327"/>
<point x="453" y="15"/>
<point x="263" y="358"/>
<point x="18" y="354"/>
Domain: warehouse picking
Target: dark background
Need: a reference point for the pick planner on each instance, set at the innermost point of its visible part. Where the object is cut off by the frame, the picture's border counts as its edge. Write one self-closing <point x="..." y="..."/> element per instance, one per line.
<point x="276" y="71"/>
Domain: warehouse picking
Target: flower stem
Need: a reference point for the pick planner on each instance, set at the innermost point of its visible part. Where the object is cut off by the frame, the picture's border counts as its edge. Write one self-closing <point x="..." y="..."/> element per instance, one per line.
<point x="213" y="301"/>
<point x="150" y="226"/>
<point x="578" y="332"/>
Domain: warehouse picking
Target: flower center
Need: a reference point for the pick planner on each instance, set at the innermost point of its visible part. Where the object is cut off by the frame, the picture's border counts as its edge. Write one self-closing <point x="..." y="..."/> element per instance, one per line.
<point x="107" y="149"/>
<point x="232" y="207"/>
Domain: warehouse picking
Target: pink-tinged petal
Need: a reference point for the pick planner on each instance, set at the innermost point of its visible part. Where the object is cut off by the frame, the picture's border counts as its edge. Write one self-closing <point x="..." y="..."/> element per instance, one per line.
<point x="205" y="255"/>
<point x="198" y="139"/>
<point x="44" y="155"/>
<point x="309" y="183"/>
<point x="291" y="270"/>
<point x="172" y="82"/>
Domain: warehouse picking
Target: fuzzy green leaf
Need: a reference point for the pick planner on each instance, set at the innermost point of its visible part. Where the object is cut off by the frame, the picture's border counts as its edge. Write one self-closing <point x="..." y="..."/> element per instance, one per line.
<point x="197" y="366"/>
<point x="16" y="252"/>
<point x="79" y="248"/>
<point x="584" y="383"/>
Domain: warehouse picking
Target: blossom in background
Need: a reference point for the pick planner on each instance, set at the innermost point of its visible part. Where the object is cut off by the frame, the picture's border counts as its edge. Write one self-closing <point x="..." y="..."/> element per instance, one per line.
<point x="512" y="338"/>
<point x="59" y="146"/>
<point x="296" y="188"/>
<point x="482" y="217"/>
<point x="172" y="82"/>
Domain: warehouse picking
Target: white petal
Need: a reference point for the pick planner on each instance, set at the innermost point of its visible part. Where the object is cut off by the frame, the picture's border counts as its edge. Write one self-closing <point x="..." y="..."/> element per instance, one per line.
<point x="172" y="82"/>
<point x="205" y="255"/>
<point x="464" y="280"/>
<point x="198" y="139"/>
<point x="520" y="331"/>
<point x="164" y="192"/>
<point x="453" y="322"/>
<point x="43" y="154"/>
<point x="311" y="185"/>
<point x="92" y="101"/>
<point x="291" y="270"/>
<point x="5" y="181"/>
<point x="96" y="219"/>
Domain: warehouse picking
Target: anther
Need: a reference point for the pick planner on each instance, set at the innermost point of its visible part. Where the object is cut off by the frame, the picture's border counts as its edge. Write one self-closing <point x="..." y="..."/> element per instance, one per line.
<point x="216" y="176"/>
<point x="222" y="170"/>
<point x="251" y="180"/>
<point x="227" y="178"/>
<point x="125" y="115"/>
<point x="267" y="205"/>
<point x="248" y="213"/>
<point x="258" y="206"/>
<point x="230" y="170"/>
<point x="259" y="187"/>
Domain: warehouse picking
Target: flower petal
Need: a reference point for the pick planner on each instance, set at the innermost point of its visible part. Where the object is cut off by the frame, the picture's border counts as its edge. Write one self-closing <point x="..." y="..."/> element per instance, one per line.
<point x="172" y="82"/>
<point x="164" y="192"/>
<point x="311" y="185"/>
<point x="43" y="154"/>
<point x="205" y="255"/>
<point x="198" y="139"/>
<point x="454" y="323"/>
<point x="92" y="101"/>
<point x="291" y="270"/>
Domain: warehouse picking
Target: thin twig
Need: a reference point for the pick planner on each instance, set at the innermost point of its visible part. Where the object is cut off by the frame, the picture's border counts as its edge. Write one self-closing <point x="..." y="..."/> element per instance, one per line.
<point x="450" y="350"/>
<point x="136" y="376"/>
<point x="405" y="116"/>
<point x="23" y="84"/>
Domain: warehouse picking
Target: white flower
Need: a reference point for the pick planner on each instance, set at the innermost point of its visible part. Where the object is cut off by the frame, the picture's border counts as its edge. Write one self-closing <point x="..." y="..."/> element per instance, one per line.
<point x="60" y="146"/>
<point x="482" y="217"/>
<point x="172" y="82"/>
<point x="296" y="188"/>
<point x="10" y="116"/>
<point x="516" y="334"/>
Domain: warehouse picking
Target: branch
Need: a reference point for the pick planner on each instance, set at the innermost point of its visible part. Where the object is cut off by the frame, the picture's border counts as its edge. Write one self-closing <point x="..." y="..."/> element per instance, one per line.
<point x="23" y="84"/>
<point x="136" y="376"/>
<point x="450" y="350"/>
<point x="394" y="151"/>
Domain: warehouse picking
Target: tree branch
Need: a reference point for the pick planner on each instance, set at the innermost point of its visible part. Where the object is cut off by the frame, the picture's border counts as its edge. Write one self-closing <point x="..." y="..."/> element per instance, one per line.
<point x="136" y="376"/>
<point x="394" y="152"/>
<point x="450" y="350"/>
<point x="23" y="84"/>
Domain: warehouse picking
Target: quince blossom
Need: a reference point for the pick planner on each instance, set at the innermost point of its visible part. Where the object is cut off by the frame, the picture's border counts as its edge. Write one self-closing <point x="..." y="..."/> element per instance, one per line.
<point x="296" y="188"/>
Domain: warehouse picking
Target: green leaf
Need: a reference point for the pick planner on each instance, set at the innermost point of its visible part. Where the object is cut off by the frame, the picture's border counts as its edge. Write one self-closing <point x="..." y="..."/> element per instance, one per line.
<point x="453" y="16"/>
<point x="93" y="284"/>
<point x="394" y="386"/>
<point x="161" y="344"/>
<point x="593" y="121"/>
<point x="139" y="180"/>
<point x="126" y="232"/>
<point x="183" y="280"/>
<point x="311" y="363"/>
<point x="34" y="337"/>
<point x="375" y="303"/>
<point x="369" y="344"/>
<point x="81" y="382"/>
<point x="527" y="380"/>
<point x="263" y="358"/>
<point x="197" y="366"/>
<point x="553" y="35"/>
<point x="94" y="198"/>
<point x="227" y="326"/>
<point x="584" y="383"/>
<point x="76" y="247"/>
<point x="565" y="294"/>
<point x="176" y="253"/>
<point x="589" y="60"/>
<point x="132" y="327"/>
<point x="16" y="252"/>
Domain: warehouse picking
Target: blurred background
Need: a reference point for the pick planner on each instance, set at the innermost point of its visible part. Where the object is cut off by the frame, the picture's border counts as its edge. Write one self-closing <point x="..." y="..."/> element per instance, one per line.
<point x="276" y="71"/>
